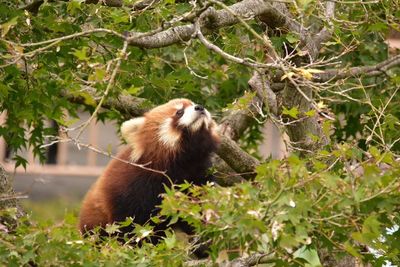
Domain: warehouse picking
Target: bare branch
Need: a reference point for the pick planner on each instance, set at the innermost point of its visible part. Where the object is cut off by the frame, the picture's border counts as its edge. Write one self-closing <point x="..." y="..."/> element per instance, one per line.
<point x="378" y="69"/>
<point x="67" y="37"/>
<point x="109" y="85"/>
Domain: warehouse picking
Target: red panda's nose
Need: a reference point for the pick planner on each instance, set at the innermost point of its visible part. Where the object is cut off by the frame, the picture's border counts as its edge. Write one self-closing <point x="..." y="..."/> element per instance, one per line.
<point x="199" y="108"/>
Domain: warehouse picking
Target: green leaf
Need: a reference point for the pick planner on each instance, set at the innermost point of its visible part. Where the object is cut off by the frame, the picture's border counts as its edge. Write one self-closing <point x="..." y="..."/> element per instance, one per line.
<point x="6" y="27"/>
<point x="3" y="90"/>
<point x="350" y="249"/>
<point x="134" y="90"/>
<point x="309" y="254"/>
<point x="81" y="53"/>
<point x="292" y="38"/>
<point x="378" y="27"/>
<point x="374" y="152"/>
<point x="293" y="112"/>
<point x="20" y="161"/>
<point x="372" y="225"/>
<point x="170" y="241"/>
<point x="74" y="6"/>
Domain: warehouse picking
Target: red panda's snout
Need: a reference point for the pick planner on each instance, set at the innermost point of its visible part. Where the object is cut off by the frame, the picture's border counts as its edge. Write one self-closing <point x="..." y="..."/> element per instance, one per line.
<point x="194" y="117"/>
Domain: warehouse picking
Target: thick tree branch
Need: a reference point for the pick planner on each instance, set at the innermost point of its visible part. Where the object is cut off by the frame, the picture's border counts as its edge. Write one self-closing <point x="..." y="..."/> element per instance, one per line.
<point x="140" y="5"/>
<point x="126" y="104"/>
<point x="237" y="158"/>
<point x="213" y="20"/>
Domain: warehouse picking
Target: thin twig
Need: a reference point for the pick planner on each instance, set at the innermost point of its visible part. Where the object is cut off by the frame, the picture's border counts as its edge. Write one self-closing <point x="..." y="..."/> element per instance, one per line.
<point x="109" y="86"/>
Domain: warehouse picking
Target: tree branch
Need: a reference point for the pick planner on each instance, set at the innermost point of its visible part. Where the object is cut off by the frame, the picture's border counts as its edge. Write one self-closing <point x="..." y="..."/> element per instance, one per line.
<point x="326" y="32"/>
<point x="237" y="158"/>
<point x="369" y="71"/>
<point x="140" y="5"/>
<point x="252" y="260"/>
<point x="213" y="20"/>
<point x="126" y="104"/>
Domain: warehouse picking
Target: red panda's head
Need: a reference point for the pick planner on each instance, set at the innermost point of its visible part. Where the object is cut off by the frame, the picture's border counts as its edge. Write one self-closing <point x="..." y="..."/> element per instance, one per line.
<point x="170" y="129"/>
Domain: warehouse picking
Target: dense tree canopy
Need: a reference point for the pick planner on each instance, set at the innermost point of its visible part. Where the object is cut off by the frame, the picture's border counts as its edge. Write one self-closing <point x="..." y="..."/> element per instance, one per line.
<point x="321" y="71"/>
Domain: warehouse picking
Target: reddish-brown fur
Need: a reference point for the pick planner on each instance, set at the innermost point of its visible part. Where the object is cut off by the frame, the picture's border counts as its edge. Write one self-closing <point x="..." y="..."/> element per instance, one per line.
<point x="126" y="190"/>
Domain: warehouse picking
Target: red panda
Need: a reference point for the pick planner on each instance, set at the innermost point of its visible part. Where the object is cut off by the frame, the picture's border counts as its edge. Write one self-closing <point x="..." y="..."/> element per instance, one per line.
<point x="177" y="137"/>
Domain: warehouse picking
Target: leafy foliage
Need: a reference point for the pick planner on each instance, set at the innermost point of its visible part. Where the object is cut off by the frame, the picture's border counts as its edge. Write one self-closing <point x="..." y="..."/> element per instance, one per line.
<point x="293" y="211"/>
<point x="340" y="201"/>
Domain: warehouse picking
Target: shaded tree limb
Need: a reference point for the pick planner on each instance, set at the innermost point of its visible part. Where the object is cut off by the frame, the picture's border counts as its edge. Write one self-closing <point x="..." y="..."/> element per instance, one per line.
<point x="140" y="5"/>
<point x="236" y="158"/>
<point x="127" y="105"/>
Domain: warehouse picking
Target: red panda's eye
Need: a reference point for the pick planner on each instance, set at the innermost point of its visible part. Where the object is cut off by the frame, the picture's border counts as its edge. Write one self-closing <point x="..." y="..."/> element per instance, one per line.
<point x="179" y="113"/>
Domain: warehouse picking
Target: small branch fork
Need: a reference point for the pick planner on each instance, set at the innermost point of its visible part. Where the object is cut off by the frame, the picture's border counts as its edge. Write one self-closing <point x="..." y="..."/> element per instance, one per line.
<point x="79" y="144"/>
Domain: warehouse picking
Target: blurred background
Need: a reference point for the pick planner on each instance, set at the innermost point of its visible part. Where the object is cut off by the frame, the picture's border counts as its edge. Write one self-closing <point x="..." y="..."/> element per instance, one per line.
<point x="59" y="185"/>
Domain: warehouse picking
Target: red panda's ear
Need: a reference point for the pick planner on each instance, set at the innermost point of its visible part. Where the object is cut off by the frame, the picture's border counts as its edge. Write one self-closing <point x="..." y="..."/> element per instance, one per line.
<point x="131" y="126"/>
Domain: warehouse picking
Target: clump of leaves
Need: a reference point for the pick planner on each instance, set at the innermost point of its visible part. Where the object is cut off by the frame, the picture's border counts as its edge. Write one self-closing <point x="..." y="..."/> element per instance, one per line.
<point x="344" y="202"/>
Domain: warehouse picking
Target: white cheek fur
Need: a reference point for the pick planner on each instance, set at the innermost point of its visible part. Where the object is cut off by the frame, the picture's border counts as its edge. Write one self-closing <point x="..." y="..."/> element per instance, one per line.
<point x="188" y="117"/>
<point x="193" y="119"/>
<point x="167" y="135"/>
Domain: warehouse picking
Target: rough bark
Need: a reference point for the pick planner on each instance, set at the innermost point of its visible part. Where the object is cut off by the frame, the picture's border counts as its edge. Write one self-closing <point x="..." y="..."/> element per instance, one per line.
<point x="8" y="199"/>
<point x="212" y="21"/>
<point x="127" y="105"/>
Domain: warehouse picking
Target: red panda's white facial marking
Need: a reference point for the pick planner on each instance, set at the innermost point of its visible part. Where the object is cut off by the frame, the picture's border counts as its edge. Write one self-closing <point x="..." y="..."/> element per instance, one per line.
<point x="194" y="117"/>
<point x="168" y="135"/>
<point x="128" y="130"/>
<point x="161" y="128"/>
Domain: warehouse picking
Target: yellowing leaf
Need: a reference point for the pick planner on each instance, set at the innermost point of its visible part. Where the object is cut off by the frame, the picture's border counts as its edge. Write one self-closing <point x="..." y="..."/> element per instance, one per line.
<point x="315" y="71"/>
<point x="98" y="75"/>
<point x="287" y="75"/>
<point x="305" y="73"/>
<point x="321" y="105"/>
<point x="5" y="27"/>
<point x="310" y="113"/>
